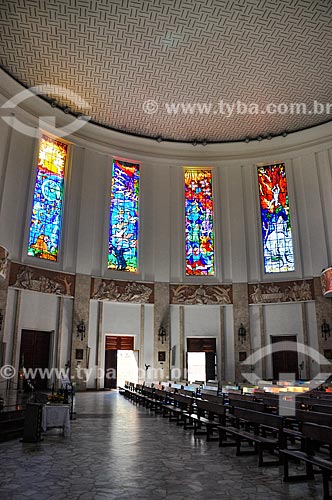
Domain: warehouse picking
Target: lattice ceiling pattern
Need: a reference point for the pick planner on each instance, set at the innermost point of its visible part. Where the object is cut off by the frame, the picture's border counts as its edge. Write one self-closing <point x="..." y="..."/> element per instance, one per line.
<point x="118" y="54"/>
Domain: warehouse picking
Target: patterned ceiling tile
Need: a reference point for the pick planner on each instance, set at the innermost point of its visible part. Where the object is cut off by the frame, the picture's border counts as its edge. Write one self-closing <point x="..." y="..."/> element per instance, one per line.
<point x="116" y="55"/>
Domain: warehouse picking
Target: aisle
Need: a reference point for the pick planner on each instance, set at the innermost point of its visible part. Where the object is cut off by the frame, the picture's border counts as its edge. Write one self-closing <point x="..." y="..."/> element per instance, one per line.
<point x="117" y="450"/>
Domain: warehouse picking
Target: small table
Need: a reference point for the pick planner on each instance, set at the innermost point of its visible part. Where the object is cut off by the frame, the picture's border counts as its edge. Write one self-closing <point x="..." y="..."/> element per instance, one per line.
<point x="56" y="416"/>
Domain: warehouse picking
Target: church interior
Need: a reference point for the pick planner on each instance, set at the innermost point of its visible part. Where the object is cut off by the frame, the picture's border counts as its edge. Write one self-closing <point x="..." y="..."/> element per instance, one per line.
<point x="165" y="249"/>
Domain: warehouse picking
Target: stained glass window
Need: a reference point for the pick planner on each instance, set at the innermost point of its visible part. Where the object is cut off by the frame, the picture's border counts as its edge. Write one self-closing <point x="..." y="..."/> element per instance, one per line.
<point x="199" y="222"/>
<point x="276" y="225"/>
<point x="124" y="217"/>
<point x="46" y="218"/>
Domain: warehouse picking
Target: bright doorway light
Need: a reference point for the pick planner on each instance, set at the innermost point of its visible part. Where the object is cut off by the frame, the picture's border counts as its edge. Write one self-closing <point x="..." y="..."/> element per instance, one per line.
<point x="196" y="366"/>
<point x="127" y="367"/>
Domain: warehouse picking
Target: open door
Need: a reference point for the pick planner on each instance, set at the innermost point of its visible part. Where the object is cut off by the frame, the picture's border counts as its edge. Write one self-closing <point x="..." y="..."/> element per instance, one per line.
<point x="110" y="369"/>
<point x="127" y="363"/>
<point x="210" y="366"/>
<point x="201" y="359"/>
<point x="116" y="363"/>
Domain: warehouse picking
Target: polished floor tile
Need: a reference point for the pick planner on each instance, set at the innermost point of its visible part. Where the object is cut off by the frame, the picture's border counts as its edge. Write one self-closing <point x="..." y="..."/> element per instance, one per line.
<point x="118" y="450"/>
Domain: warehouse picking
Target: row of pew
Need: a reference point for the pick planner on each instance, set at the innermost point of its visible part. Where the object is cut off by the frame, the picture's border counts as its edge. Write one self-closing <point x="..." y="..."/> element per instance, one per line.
<point x="279" y="433"/>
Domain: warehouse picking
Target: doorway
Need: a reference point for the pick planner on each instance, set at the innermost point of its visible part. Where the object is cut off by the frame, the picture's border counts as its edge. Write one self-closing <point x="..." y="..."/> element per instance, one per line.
<point x="201" y="359"/>
<point x="121" y="361"/>
<point x="284" y="361"/>
<point x="35" y="354"/>
<point x="127" y="362"/>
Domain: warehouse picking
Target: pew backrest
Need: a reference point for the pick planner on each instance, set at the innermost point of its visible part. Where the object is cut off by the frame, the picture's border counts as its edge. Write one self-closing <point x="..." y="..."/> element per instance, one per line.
<point x="213" y="398"/>
<point x="313" y="417"/>
<point x="259" y="418"/>
<point x="211" y="407"/>
<point x="315" y="432"/>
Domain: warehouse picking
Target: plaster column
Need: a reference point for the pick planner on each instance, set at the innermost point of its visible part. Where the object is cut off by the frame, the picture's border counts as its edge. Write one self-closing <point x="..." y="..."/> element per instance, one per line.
<point x="100" y="343"/>
<point x="241" y="315"/>
<point x="79" y="342"/>
<point x="323" y="313"/>
<point x="263" y="338"/>
<point x="161" y="317"/>
<point x="307" y="371"/>
<point x="141" y="342"/>
<point x="4" y="280"/>
<point x="59" y="338"/>
<point x="182" y="344"/>
<point x="221" y="374"/>
<point x="16" y="334"/>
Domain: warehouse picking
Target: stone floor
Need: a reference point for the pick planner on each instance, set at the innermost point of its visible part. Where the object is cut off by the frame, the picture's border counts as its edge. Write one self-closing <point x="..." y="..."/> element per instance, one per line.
<point x="118" y="450"/>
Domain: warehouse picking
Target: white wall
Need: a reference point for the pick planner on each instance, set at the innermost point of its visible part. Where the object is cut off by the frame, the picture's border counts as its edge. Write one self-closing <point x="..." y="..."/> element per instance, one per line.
<point x="237" y="219"/>
<point x="66" y="332"/>
<point x="308" y="158"/>
<point x="203" y="321"/>
<point x="282" y="319"/>
<point x="119" y="319"/>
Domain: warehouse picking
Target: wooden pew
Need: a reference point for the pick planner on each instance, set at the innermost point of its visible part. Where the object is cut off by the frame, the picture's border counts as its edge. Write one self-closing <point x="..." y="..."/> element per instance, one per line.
<point x="263" y="430"/>
<point x="178" y="407"/>
<point x="247" y="404"/>
<point x="160" y="396"/>
<point x="301" y="417"/>
<point x="213" y="398"/>
<point x="208" y="415"/>
<point x="149" y="399"/>
<point x="186" y="392"/>
<point x="130" y="392"/>
<point x="314" y="434"/>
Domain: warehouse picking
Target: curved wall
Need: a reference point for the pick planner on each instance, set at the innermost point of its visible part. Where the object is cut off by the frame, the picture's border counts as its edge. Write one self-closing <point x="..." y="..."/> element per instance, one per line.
<point x="308" y="160"/>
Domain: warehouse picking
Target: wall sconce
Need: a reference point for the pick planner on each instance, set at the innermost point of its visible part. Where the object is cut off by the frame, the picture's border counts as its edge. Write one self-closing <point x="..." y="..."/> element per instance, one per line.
<point x="1" y="320"/>
<point x="81" y="329"/>
<point x="242" y="333"/>
<point x="325" y="329"/>
<point x="162" y="333"/>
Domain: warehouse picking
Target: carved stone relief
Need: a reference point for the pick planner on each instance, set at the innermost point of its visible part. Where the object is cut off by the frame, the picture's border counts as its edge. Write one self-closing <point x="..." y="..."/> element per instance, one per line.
<point x="41" y="280"/>
<point x="4" y="263"/>
<point x="122" y="291"/>
<point x="201" y="294"/>
<point x="287" y="291"/>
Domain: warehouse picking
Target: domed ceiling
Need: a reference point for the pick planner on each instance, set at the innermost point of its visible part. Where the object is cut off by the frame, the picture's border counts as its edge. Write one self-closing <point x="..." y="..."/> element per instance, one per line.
<point x="130" y="60"/>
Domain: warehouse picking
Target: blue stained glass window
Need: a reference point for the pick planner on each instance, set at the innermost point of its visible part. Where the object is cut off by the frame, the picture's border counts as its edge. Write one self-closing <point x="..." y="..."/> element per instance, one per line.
<point x="46" y="218"/>
<point x="124" y="217"/>
<point x="276" y="224"/>
<point x="199" y="222"/>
